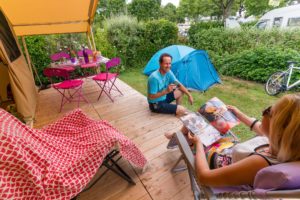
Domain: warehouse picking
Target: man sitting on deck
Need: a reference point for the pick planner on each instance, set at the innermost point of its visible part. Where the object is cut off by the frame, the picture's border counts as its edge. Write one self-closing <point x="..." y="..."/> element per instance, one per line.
<point x="163" y="88"/>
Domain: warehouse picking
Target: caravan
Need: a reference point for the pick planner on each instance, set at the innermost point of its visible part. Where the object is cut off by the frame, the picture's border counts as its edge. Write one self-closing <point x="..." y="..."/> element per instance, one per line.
<point x="287" y="17"/>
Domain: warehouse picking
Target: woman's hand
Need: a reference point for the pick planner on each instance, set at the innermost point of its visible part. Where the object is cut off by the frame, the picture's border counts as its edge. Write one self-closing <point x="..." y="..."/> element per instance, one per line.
<point x="234" y="110"/>
<point x="194" y="139"/>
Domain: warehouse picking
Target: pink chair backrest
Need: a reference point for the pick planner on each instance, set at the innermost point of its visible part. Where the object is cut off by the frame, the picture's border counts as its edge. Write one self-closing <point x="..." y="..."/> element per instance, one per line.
<point x="88" y="51"/>
<point x="113" y="63"/>
<point x="56" y="72"/>
<point x="60" y="55"/>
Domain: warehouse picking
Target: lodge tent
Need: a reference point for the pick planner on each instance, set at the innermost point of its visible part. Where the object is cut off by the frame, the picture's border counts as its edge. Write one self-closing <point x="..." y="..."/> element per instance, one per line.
<point x="15" y="71"/>
<point x="191" y="67"/>
<point x="35" y="17"/>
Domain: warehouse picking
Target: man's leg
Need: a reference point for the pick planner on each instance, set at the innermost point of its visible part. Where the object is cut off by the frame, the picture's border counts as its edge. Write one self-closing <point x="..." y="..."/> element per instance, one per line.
<point x="178" y="95"/>
<point x="163" y="107"/>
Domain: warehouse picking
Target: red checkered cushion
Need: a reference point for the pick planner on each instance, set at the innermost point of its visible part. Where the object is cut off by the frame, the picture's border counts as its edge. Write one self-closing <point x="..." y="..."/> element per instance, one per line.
<point x="58" y="161"/>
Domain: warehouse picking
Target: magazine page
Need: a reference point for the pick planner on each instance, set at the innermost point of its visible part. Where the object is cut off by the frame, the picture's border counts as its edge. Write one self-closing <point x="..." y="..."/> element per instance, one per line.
<point x="216" y="112"/>
<point x="198" y="126"/>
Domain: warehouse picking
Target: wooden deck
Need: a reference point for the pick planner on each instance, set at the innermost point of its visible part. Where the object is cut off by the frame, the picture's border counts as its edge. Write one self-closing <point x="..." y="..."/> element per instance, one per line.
<point x="129" y="113"/>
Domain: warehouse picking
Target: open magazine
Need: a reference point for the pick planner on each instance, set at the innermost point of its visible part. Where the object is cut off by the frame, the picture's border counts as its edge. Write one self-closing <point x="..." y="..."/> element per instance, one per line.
<point x="211" y="122"/>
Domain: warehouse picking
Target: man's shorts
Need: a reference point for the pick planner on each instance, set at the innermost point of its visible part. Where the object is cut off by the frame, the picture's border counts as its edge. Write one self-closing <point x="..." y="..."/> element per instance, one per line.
<point x="164" y="106"/>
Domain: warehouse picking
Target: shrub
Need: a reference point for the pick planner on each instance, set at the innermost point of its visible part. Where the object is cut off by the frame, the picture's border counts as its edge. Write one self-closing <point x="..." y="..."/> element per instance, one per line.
<point x="103" y="45"/>
<point x="199" y="26"/>
<point x="157" y="35"/>
<point x="123" y="34"/>
<point x="257" y="64"/>
<point x="220" y="41"/>
<point x="249" y="24"/>
<point x="58" y="42"/>
<point x="37" y="49"/>
<point x="248" y="53"/>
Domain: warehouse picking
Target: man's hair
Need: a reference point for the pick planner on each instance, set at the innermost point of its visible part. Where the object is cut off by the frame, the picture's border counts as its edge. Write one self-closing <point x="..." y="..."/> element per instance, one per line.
<point x="284" y="133"/>
<point x="161" y="57"/>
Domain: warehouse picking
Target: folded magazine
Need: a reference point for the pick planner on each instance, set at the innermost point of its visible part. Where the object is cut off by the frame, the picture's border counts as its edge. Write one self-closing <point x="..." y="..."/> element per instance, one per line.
<point x="211" y="122"/>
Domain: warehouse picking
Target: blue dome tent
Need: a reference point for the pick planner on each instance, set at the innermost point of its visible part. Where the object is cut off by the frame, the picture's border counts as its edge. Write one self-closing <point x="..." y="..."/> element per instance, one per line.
<point x="192" y="68"/>
<point x="176" y="51"/>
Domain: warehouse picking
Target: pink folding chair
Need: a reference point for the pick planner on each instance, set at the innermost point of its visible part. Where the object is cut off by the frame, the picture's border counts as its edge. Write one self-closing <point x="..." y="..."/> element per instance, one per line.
<point x="60" y="55"/>
<point x="74" y="87"/>
<point x="106" y="81"/>
<point x="91" y="65"/>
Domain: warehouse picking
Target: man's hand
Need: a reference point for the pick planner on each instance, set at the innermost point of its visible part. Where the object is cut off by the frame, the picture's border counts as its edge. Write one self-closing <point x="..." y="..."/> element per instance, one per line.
<point x="171" y="88"/>
<point x="191" y="100"/>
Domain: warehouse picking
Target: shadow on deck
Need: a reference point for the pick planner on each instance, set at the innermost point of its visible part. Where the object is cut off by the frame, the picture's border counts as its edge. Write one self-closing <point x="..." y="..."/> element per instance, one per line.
<point x="129" y="114"/>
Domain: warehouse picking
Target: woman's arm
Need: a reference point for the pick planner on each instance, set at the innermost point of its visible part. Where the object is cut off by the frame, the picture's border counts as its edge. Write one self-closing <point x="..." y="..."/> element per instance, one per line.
<point x="240" y="173"/>
<point x="247" y="120"/>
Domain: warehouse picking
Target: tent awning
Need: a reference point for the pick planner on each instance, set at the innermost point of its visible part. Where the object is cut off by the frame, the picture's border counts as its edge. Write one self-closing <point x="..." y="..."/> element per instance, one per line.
<point x="36" y="17"/>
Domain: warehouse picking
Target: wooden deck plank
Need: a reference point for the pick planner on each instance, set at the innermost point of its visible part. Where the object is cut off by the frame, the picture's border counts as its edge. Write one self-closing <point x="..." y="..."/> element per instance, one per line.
<point x="112" y="186"/>
<point x="130" y="114"/>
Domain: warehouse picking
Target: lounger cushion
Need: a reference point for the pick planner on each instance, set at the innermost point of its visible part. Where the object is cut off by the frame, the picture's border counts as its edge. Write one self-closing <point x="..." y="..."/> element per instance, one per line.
<point x="281" y="176"/>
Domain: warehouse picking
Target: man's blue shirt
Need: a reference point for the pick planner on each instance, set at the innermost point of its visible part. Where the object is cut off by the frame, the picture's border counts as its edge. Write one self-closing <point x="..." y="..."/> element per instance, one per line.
<point x="158" y="82"/>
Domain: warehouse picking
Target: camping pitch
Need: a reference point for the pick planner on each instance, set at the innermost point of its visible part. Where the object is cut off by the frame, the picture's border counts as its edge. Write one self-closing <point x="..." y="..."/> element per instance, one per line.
<point x="192" y="68"/>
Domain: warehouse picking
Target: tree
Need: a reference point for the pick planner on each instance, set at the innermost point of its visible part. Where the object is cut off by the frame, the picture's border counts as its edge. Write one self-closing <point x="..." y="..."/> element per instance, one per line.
<point x="256" y="7"/>
<point x="225" y="7"/>
<point x="195" y="8"/>
<point x="108" y="8"/>
<point x="187" y="8"/>
<point x="145" y="9"/>
<point x="169" y="12"/>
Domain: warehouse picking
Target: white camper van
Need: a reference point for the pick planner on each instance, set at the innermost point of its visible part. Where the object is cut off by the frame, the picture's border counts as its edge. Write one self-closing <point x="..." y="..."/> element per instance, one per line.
<point x="286" y="17"/>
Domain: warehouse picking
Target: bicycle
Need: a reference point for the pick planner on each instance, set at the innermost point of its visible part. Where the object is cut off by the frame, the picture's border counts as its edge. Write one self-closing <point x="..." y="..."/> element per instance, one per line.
<point x="281" y="81"/>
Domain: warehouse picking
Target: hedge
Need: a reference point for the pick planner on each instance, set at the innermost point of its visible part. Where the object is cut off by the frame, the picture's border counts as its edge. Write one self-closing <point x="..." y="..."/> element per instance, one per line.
<point x="257" y="64"/>
<point x="220" y="40"/>
<point x="248" y="53"/>
<point x="135" y="42"/>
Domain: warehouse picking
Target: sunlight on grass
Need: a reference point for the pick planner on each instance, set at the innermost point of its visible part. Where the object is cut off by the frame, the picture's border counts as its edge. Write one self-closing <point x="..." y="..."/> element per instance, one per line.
<point x="249" y="97"/>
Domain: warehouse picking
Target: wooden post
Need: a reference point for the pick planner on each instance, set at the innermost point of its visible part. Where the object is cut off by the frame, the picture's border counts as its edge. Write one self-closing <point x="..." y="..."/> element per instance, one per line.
<point x="89" y="41"/>
<point x="93" y="40"/>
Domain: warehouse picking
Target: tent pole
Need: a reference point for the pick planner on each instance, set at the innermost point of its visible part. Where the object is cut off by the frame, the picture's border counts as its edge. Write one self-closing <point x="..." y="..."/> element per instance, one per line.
<point x="27" y="54"/>
<point x="89" y="41"/>
<point x="30" y="65"/>
<point x="93" y="39"/>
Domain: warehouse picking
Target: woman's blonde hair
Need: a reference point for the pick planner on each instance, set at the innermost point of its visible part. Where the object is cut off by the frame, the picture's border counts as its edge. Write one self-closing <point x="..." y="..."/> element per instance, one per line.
<point x="285" y="128"/>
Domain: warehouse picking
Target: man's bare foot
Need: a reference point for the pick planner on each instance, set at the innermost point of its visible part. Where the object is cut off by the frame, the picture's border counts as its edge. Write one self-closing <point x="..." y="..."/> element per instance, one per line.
<point x="180" y="111"/>
<point x="169" y="135"/>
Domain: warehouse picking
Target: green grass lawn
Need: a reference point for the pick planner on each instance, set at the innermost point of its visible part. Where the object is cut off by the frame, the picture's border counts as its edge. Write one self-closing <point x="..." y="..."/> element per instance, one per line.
<point x="249" y="97"/>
